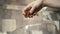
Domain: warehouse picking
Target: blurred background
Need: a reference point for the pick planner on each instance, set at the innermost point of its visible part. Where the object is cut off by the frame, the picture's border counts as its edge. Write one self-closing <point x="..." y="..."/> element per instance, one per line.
<point x="11" y="18"/>
<point x="11" y="11"/>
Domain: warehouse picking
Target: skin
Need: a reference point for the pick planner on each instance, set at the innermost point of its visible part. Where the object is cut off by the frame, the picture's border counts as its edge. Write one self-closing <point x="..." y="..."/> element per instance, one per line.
<point x="52" y="3"/>
<point x="34" y="7"/>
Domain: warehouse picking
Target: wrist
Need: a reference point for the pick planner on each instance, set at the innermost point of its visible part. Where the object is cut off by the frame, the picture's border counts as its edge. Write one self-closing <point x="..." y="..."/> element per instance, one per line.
<point x="45" y="3"/>
<point x="42" y="1"/>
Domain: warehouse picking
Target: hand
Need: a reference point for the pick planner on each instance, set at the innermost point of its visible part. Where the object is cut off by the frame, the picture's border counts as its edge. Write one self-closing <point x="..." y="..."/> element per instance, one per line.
<point x="32" y="9"/>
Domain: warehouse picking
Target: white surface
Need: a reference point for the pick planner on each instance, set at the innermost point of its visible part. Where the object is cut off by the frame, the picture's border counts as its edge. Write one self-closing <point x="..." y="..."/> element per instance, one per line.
<point x="8" y="25"/>
<point x="3" y="32"/>
<point x="57" y="24"/>
<point x="15" y="7"/>
<point x="37" y="32"/>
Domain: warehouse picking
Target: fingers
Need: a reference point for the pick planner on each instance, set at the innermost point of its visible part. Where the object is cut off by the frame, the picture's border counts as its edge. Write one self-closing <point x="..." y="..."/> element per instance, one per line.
<point x="33" y="12"/>
<point x="28" y="6"/>
<point x="30" y="10"/>
<point x="26" y="11"/>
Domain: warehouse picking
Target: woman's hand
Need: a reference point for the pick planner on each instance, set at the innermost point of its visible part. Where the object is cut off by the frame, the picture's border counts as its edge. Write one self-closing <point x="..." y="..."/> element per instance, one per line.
<point x="32" y="9"/>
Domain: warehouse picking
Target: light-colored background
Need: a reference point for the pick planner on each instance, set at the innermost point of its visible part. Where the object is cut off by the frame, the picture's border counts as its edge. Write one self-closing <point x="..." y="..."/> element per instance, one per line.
<point x="6" y="12"/>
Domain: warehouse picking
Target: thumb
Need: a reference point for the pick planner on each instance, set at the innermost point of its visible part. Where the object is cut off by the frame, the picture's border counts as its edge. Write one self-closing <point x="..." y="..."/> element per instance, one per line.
<point x="32" y="10"/>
